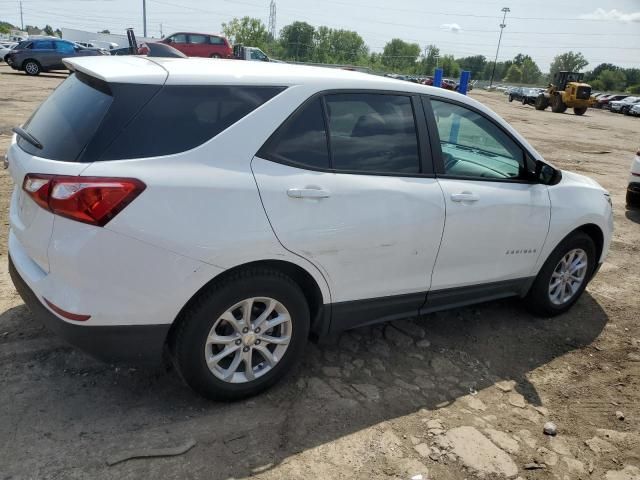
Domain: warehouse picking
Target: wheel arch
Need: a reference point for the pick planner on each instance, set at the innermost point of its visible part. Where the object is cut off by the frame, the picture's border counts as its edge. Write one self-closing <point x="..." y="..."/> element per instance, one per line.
<point x="596" y="234"/>
<point x="310" y="288"/>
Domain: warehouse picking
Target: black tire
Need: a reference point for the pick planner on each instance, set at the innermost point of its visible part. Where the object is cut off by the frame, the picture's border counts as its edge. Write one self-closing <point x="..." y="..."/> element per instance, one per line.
<point x="31" y="67"/>
<point x="541" y="102"/>
<point x="215" y="55"/>
<point x="524" y="100"/>
<point x="557" y="105"/>
<point x="537" y="300"/>
<point x="579" y="110"/>
<point x="188" y="344"/>
<point x="510" y="98"/>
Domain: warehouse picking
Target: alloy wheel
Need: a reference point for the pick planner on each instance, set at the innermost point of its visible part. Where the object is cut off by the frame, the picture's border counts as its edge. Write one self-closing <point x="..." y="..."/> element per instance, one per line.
<point x="248" y="340"/>
<point x="568" y="276"/>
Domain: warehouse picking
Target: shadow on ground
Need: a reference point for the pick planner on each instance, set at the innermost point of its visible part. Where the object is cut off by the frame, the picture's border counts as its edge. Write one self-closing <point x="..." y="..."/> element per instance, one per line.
<point x="58" y="402"/>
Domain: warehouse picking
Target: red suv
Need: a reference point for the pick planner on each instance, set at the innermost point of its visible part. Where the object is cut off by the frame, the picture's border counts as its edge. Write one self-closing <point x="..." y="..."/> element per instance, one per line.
<point x="200" y="45"/>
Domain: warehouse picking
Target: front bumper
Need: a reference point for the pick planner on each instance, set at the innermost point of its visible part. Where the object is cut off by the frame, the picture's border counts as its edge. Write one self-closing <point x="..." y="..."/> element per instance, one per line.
<point x="131" y="344"/>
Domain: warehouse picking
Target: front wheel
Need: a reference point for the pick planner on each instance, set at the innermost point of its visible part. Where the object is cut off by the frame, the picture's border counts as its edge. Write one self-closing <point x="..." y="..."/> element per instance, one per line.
<point x="510" y="98"/>
<point x="579" y="110"/>
<point x="242" y="335"/>
<point x="563" y="277"/>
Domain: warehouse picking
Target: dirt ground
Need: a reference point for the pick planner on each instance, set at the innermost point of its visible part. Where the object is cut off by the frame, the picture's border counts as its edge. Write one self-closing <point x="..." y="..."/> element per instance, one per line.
<point x="456" y="395"/>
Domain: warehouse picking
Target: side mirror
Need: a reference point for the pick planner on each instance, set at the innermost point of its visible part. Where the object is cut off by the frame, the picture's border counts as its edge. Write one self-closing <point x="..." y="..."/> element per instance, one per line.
<point x="546" y="174"/>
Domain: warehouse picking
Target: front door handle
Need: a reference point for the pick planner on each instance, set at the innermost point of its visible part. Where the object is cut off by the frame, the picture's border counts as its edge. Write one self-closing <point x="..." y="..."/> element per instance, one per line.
<point x="308" y="193"/>
<point x="465" y="197"/>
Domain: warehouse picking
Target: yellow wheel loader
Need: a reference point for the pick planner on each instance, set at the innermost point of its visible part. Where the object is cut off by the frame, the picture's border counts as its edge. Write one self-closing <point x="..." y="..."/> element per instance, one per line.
<point x="566" y="91"/>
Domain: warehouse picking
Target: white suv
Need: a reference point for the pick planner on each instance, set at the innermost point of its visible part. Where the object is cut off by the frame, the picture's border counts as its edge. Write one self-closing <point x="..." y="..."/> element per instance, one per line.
<point x="225" y="211"/>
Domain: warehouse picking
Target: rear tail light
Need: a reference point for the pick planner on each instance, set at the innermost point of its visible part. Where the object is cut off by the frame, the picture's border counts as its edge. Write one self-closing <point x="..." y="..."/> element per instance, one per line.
<point x="92" y="200"/>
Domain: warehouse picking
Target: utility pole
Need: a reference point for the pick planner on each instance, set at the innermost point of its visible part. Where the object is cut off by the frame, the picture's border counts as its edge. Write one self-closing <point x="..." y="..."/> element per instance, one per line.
<point x="21" y="17"/>
<point x="502" y="25"/>
<point x="161" y="34"/>
<point x="272" y="19"/>
<point x="144" y="18"/>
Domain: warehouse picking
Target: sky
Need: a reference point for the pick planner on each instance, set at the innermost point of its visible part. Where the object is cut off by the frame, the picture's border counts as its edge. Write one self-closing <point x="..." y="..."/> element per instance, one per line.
<point x="604" y="31"/>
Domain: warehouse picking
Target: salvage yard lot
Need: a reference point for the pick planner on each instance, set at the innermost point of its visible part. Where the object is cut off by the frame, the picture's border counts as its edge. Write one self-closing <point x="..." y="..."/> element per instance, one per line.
<point x="453" y="395"/>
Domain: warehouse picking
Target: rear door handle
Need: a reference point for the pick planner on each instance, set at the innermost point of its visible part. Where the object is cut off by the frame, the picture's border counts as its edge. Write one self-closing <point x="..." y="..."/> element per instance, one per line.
<point x="465" y="197"/>
<point x="308" y="193"/>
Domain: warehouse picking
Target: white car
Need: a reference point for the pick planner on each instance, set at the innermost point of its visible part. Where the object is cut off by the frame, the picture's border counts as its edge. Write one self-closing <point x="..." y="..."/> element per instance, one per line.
<point x="225" y="211"/>
<point x="633" y="190"/>
<point x="5" y="48"/>
<point x="635" y="110"/>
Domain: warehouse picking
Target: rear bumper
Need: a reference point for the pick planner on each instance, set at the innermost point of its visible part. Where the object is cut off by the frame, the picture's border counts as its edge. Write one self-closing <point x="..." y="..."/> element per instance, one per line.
<point x="131" y="344"/>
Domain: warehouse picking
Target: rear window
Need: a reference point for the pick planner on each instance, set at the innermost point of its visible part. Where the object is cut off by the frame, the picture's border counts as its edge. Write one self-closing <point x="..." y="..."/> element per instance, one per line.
<point x="180" y="118"/>
<point x="68" y="119"/>
<point x="87" y="120"/>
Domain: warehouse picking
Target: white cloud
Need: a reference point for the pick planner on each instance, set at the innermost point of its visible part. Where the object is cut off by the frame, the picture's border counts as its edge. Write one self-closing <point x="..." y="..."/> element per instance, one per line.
<point x="602" y="14"/>
<point x="451" y="27"/>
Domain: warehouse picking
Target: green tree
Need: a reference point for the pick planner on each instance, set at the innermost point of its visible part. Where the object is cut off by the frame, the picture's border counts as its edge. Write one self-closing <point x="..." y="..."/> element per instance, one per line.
<point x="514" y="74"/>
<point x="521" y="58"/>
<point x="595" y="73"/>
<point x="5" y="27"/>
<point x="48" y="30"/>
<point x="475" y="64"/>
<point x="58" y="33"/>
<point x="400" y="55"/>
<point x="428" y="63"/>
<point x="450" y="67"/>
<point x="569" y="61"/>
<point x="530" y="73"/>
<point x="247" y="31"/>
<point x="296" y="41"/>
<point x="347" y="46"/>
<point x="633" y="75"/>
<point x="612" y="80"/>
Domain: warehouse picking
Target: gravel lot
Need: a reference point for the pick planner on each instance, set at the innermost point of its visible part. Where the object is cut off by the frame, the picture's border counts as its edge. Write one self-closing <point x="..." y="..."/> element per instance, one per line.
<point x="456" y="395"/>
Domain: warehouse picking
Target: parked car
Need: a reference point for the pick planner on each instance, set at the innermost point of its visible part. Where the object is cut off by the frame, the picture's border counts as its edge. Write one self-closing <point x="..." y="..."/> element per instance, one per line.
<point x="515" y="93"/>
<point x="624" y="105"/>
<point x="606" y="101"/>
<point x="449" y="84"/>
<point x="635" y="110"/>
<point x="199" y="45"/>
<point x="44" y="54"/>
<point x="5" y="48"/>
<point x="528" y="96"/>
<point x="247" y="204"/>
<point x="633" y="190"/>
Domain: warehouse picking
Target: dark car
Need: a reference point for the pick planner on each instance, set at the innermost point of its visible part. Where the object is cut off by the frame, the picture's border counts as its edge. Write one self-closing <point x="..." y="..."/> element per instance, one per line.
<point x="604" y="102"/>
<point x="198" y="45"/>
<point x="528" y="95"/>
<point x="44" y="54"/>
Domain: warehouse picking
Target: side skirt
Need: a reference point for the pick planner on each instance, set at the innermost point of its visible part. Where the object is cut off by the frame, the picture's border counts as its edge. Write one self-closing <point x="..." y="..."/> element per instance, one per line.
<point x="359" y="313"/>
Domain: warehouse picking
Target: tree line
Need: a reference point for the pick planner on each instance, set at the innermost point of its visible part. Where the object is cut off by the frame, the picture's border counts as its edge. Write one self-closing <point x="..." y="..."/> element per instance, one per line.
<point x="302" y="42"/>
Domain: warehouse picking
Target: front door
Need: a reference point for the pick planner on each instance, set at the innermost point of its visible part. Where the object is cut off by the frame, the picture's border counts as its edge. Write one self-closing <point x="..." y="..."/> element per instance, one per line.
<point x="497" y="217"/>
<point x="346" y="184"/>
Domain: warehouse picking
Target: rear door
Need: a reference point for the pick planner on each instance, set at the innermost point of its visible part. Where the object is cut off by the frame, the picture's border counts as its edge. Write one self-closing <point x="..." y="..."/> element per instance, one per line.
<point x="46" y="54"/>
<point x="347" y="183"/>
<point x="63" y="50"/>
<point x="199" y="45"/>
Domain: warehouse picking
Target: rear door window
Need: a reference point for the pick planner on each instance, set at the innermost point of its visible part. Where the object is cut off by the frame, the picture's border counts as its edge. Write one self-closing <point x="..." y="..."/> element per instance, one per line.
<point x="373" y="133"/>
<point x="197" y="39"/>
<point x="67" y="120"/>
<point x="180" y="118"/>
<point x="216" y="40"/>
<point x="301" y="140"/>
<point x="43" y="45"/>
<point x="65" y="47"/>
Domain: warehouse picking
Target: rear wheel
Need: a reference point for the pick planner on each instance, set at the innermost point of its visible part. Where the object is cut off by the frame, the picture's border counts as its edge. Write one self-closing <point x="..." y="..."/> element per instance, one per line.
<point x="31" y="67"/>
<point x="564" y="276"/>
<point x="524" y="100"/>
<point x="215" y="55"/>
<point x="557" y="105"/>
<point x="242" y="336"/>
<point x="579" y="110"/>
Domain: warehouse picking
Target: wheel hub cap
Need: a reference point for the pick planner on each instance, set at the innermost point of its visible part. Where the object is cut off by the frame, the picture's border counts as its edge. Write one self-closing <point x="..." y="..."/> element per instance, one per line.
<point x="248" y="340"/>
<point x="568" y="276"/>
